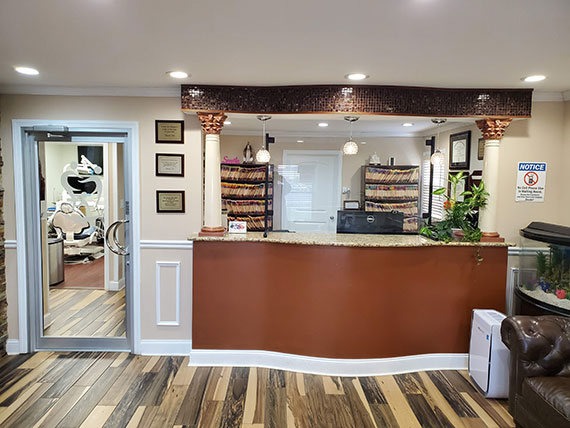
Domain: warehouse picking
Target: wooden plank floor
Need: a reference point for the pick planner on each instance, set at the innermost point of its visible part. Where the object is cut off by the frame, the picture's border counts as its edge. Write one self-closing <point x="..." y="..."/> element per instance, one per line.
<point x="84" y="276"/>
<point x="91" y="390"/>
<point x="92" y="313"/>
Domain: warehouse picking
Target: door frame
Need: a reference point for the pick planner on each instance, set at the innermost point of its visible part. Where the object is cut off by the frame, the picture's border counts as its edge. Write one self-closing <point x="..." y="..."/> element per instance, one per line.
<point x="23" y="219"/>
<point x="337" y="153"/>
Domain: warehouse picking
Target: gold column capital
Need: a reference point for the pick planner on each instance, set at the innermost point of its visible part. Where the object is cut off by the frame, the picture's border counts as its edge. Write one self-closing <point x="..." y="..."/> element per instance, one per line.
<point x="212" y="123"/>
<point x="493" y="128"/>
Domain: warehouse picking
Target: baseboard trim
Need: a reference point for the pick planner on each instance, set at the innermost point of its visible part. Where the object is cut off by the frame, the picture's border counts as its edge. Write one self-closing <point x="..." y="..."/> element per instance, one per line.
<point x="117" y="285"/>
<point x="12" y="346"/>
<point x="165" y="347"/>
<point x="328" y="366"/>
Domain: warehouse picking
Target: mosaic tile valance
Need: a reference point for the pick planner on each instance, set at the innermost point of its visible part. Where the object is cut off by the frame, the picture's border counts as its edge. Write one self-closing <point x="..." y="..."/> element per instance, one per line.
<point x="361" y="99"/>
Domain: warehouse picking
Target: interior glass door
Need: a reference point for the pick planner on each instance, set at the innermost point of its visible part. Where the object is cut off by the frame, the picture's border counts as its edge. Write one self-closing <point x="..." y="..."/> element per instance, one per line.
<point x="80" y="301"/>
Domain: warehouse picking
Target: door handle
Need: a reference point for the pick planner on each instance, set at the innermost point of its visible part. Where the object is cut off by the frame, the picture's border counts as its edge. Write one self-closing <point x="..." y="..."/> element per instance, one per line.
<point x="332" y="217"/>
<point x="112" y="231"/>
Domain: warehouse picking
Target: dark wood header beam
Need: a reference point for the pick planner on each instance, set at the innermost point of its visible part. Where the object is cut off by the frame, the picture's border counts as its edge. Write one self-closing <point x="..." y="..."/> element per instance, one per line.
<point x="360" y="99"/>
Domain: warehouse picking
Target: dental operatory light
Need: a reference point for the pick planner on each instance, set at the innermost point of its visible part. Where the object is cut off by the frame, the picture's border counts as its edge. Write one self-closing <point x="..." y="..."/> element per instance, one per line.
<point x="350" y="147"/>
<point x="263" y="155"/>
<point x="438" y="158"/>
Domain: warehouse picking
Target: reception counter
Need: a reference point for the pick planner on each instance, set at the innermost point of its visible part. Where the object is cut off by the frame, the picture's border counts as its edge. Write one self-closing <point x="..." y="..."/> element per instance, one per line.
<point x="355" y="297"/>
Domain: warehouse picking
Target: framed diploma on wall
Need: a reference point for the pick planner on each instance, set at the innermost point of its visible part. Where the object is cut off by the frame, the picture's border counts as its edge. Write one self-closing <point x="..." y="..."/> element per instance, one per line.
<point x="170" y="201"/>
<point x="480" y="149"/>
<point x="459" y="150"/>
<point x="169" y="131"/>
<point x="169" y="165"/>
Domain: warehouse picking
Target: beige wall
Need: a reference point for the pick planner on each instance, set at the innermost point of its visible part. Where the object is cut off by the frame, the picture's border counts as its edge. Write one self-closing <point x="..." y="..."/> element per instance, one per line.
<point x="406" y="150"/>
<point x="566" y="160"/>
<point x="539" y="139"/>
<point x="545" y="137"/>
<point x="153" y="226"/>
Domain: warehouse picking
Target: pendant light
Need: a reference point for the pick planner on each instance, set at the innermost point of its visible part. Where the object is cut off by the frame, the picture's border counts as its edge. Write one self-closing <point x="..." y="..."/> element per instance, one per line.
<point x="350" y="147"/>
<point x="438" y="158"/>
<point x="263" y="155"/>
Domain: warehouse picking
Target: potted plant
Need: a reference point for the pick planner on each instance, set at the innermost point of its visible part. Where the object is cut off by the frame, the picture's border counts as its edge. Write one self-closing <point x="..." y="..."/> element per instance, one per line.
<point x="460" y="221"/>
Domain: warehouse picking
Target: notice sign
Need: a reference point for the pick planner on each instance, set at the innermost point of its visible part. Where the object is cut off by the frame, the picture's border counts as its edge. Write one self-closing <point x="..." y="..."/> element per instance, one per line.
<point x="531" y="182"/>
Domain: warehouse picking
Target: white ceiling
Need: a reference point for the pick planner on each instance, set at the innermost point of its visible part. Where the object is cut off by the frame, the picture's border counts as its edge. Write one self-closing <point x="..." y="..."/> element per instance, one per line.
<point x="132" y="43"/>
<point x="305" y="126"/>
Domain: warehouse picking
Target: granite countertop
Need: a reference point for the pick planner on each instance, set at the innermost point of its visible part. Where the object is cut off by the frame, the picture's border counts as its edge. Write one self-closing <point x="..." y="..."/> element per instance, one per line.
<point x="341" y="240"/>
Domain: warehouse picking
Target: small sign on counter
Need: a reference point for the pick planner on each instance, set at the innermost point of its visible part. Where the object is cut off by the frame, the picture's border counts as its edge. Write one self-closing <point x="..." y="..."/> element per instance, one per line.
<point x="237" y="226"/>
<point x="531" y="182"/>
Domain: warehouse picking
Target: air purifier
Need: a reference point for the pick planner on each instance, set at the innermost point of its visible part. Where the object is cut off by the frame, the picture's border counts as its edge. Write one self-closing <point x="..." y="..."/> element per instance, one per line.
<point x="488" y="355"/>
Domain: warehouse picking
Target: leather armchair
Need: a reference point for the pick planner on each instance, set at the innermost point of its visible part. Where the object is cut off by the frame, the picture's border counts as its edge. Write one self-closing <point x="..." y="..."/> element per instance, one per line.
<point x="539" y="385"/>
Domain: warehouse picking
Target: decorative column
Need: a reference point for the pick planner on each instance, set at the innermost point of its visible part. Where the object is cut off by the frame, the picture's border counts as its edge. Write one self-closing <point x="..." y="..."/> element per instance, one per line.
<point x="212" y="124"/>
<point x="493" y="130"/>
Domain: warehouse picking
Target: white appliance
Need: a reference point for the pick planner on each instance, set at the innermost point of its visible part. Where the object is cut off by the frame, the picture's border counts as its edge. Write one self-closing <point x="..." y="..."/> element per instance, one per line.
<point x="488" y="355"/>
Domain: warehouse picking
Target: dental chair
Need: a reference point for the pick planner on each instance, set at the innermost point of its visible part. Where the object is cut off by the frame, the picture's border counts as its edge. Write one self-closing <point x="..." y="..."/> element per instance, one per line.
<point x="79" y="237"/>
<point x="78" y="218"/>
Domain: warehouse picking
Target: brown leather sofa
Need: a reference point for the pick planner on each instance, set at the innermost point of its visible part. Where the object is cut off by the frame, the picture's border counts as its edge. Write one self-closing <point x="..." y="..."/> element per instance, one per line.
<point x="539" y="387"/>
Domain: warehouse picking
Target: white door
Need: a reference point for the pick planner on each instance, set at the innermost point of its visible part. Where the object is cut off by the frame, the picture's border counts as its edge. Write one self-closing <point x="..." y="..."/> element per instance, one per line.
<point x="311" y="190"/>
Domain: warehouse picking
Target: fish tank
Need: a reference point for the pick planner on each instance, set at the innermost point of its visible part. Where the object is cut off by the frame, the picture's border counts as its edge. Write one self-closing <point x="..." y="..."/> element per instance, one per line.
<point x="542" y="282"/>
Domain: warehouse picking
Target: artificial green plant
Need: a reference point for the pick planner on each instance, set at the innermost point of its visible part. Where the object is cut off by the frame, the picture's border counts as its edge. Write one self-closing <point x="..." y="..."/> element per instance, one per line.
<point x="458" y="214"/>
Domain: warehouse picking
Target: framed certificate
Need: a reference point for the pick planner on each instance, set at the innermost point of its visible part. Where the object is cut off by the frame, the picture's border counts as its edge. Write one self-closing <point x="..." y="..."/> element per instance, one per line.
<point x="169" y="165"/>
<point x="480" y="149"/>
<point x="169" y="131"/>
<point x="459" y="150"/>
<point x="170" y="201"/>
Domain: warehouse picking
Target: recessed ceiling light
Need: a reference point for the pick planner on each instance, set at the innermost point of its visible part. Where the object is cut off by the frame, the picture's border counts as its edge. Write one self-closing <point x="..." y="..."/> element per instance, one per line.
<point x="27" y="71"/>
<point x="408" y="124"/>
<point x="323" y="124"/>
<point x="228" y="122"/>
<point x="356" y="76"/>
<point x="363" y="142"/>
<point x="300" y="141"/>
<point x="534" y="78"/>
<point x="178" y="74"/>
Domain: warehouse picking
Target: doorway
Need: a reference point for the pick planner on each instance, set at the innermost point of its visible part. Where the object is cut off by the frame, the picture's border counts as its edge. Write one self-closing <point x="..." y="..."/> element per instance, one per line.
<point x="81" y="196"/>
<point x="77" y="236"/>
<point x="311" y="194"/>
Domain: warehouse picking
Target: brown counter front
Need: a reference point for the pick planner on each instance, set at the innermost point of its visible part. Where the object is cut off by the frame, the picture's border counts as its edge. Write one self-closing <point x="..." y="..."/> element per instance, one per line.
<point x="341" y="301"/>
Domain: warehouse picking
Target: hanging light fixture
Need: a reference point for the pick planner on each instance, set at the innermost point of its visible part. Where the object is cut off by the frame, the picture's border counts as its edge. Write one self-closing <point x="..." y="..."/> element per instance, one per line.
<point x="438" y="158"/>
<point x="263" y="155"/>
<point x="350" y="147"/>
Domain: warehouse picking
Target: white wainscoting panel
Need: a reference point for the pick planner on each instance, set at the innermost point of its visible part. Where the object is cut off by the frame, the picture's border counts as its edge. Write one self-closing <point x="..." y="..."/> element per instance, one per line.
<point x="159" y="266"/>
